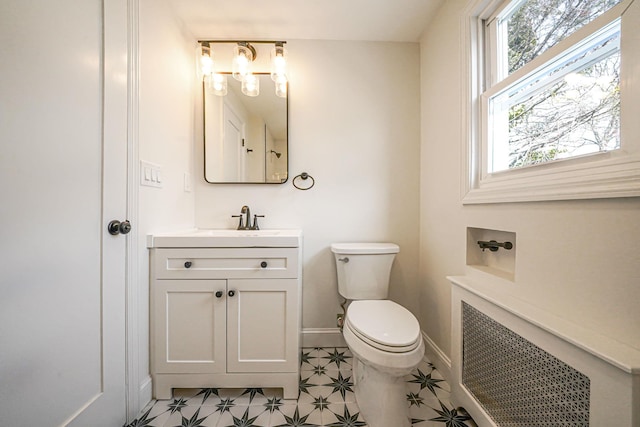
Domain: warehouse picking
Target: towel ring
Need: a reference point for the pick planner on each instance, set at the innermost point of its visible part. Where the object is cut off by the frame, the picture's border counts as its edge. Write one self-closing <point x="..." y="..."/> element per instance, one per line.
<point x="303" y="176"/>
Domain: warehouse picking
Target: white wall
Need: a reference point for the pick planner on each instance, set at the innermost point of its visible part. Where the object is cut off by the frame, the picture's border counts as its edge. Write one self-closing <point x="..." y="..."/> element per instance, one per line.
<point x="166" y="129"/>
<point x="354" y="126"/>
<point x="575" y="259"/>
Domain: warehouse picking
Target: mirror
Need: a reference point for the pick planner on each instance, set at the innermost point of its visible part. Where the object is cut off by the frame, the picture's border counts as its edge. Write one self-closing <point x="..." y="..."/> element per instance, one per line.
<point x="245" y="138"/>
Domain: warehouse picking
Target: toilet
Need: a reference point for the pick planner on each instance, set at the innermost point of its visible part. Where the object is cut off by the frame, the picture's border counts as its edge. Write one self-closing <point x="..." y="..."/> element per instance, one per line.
<point x="383" y="336"/>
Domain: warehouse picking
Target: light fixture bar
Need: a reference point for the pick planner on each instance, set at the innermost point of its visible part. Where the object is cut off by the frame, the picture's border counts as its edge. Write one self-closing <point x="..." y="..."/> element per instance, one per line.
<point x="243" y="41"/>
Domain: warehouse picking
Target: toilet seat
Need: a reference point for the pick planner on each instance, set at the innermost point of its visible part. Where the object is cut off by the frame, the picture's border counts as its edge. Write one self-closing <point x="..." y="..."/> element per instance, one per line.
<point x="384" y="325"/>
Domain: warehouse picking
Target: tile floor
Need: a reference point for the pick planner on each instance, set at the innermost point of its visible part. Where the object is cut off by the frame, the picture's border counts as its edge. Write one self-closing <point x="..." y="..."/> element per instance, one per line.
<point x="326" y="400"/>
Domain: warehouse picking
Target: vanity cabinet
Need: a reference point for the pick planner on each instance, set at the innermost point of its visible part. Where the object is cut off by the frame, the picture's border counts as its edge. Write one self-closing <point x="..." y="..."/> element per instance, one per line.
<point x="225" y="318"/>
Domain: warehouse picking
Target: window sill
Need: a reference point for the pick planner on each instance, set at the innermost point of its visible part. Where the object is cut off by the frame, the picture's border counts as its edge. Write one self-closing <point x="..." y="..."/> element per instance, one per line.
<point x="602" y="178"/>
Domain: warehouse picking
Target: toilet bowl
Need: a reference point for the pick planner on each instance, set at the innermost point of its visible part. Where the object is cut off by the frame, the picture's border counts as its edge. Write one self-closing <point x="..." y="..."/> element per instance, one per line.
<point x="383" y="357"/>
<point x="383" y="336"/>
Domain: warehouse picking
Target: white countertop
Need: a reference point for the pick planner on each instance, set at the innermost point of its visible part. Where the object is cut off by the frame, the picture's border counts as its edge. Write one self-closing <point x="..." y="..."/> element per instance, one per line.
<point x="224" y="238"/>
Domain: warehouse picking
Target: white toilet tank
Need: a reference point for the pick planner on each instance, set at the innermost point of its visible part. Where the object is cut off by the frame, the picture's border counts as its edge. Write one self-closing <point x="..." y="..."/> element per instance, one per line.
<point x="364" y="269"/>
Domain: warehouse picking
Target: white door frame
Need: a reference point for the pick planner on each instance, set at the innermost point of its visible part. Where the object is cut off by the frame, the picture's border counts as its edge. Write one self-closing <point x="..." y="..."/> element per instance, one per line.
<point x="138" y="393"/>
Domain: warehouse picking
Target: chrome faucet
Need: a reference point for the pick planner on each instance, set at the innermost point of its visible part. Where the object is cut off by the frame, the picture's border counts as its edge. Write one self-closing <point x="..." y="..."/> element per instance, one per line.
<point x="245" y="224"/>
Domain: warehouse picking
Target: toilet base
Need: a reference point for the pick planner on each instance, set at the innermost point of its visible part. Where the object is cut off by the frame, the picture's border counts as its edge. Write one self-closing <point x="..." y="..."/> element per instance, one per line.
<point x="381" y="397"/>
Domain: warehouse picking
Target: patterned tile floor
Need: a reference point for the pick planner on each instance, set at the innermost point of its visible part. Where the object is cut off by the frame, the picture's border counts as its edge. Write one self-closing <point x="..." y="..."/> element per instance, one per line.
<point x="326" y="400"/>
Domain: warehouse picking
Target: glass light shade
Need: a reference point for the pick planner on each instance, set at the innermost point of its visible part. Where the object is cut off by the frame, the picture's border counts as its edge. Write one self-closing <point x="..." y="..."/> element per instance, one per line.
<point x="251" y="85"/>
<point x="281" y="87"/>
<point x="241" y="62"/>
<point x="217" y="84"/>
<point x="278" y="62"/>
<point x="204" y="59"/>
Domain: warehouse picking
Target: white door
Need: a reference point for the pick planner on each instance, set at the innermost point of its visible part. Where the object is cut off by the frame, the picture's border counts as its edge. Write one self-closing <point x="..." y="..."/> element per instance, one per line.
<point x="233" y="150"/>
<point x="63" y="110"/>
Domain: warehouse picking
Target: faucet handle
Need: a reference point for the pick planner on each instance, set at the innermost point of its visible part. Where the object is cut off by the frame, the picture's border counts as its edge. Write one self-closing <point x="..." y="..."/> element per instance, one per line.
<point x="255" y="222"/>
<point x="240" y="224"/>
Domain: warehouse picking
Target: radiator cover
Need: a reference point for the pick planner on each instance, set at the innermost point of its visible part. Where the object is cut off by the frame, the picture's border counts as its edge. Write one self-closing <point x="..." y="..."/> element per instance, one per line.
<point x="517" y="383"/>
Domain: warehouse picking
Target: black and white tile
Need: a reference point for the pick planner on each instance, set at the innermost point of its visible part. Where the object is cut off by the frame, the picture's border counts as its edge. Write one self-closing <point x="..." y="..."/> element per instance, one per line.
<point x="326" y="400"/>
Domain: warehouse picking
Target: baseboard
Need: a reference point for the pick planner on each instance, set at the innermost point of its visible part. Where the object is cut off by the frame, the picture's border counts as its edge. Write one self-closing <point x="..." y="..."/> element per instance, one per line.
<point x="436" y="356"/>
<point x="145" y="392"/>
<point x="322" y="337"/>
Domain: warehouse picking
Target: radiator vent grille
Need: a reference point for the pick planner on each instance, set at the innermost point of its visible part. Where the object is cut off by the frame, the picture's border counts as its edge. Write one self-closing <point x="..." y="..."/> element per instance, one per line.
<point x="516" y="382"/>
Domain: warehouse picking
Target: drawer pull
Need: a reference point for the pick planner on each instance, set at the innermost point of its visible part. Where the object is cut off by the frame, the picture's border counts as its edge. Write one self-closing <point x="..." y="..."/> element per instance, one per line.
<point x="232" y="293"/>
<point x="219" y="294"/>
<point x="187" y="264"/>
<point x="263" y="264"/>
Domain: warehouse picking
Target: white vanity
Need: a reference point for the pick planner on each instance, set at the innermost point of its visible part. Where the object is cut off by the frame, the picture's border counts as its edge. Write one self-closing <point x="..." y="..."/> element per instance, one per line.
<point x="225" y="310"/>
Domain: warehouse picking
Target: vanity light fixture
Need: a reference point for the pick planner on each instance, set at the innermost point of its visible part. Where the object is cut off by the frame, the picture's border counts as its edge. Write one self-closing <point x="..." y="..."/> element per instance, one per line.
<point x="281" y="87"/>
<point x="279" y="69"/>
<point x="278" y="62"/>
<point x="204" y="60"/>
<point x="244" y="55"/>
<point x="251" y="85"/>
<point x="217" y="83"/>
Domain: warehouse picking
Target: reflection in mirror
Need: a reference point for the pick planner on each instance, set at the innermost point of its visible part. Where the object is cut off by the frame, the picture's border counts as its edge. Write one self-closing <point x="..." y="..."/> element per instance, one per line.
<point x="245" y="138"/>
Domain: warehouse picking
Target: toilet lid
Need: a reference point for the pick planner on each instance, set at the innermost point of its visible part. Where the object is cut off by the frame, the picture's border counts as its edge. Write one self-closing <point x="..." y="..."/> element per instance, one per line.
<point x="365" y="248"/>
<point x="384" y="324"/>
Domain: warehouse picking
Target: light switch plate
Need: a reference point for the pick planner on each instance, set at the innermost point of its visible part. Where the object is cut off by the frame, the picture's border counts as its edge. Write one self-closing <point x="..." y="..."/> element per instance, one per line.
<point x="150" y="174"/>
<point x="188" y="187"/>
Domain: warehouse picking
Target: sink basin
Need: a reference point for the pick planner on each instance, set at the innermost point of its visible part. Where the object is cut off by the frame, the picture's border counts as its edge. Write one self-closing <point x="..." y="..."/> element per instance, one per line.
<point x="221" y="238"/>
<point x="238" y="233"/>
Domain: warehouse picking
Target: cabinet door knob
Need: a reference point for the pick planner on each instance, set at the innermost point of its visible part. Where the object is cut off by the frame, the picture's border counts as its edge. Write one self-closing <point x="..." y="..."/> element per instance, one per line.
<point x="187" y="264"/>
<point x="219" y="294"/>
<point x="263" y="264"/>
<point x="232" y="293"/>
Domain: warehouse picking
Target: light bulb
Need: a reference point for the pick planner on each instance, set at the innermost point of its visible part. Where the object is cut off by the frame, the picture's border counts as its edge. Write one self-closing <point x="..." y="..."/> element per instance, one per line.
<point x="204" y="58"/>
<point x="278" y="62"/>
<point x="243" y="56"/>
<point x="217" y="84"/>
<point x="281" y="87"/>
<point x="251" y="85"/>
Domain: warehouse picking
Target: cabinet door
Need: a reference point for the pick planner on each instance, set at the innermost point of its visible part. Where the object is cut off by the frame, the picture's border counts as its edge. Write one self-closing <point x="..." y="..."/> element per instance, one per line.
<point x="262" y="325"/>
<point x="189" y="326"/>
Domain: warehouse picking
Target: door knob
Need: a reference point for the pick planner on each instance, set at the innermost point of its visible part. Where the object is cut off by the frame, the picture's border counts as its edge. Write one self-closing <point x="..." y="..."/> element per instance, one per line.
<point x="219" y="294"/>
<point x="263" y="264"/>
<point x="187" y="264"/>
<point x="116" y="227"/>
<point x="232" y="293"/>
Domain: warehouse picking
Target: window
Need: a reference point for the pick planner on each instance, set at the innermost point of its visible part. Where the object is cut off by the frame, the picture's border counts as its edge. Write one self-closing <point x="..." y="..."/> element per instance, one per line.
<point x="548" y="100"/>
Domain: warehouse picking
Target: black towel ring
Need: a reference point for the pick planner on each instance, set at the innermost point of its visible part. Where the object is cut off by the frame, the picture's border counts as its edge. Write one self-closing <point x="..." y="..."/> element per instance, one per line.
<point x="303" y="176"/>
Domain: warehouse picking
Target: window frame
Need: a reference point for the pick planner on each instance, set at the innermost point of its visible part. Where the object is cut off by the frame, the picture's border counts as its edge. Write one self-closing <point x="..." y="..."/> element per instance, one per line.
<point x="606" y="174"/>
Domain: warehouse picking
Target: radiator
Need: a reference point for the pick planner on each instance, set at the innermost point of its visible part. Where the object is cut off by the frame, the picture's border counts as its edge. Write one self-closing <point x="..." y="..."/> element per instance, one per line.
<point x="516" y="382"/>
<point x="516" y="366"/>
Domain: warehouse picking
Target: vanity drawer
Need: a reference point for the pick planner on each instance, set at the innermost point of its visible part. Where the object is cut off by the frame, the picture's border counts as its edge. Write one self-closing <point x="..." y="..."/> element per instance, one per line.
<point x="225" y="263"/>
